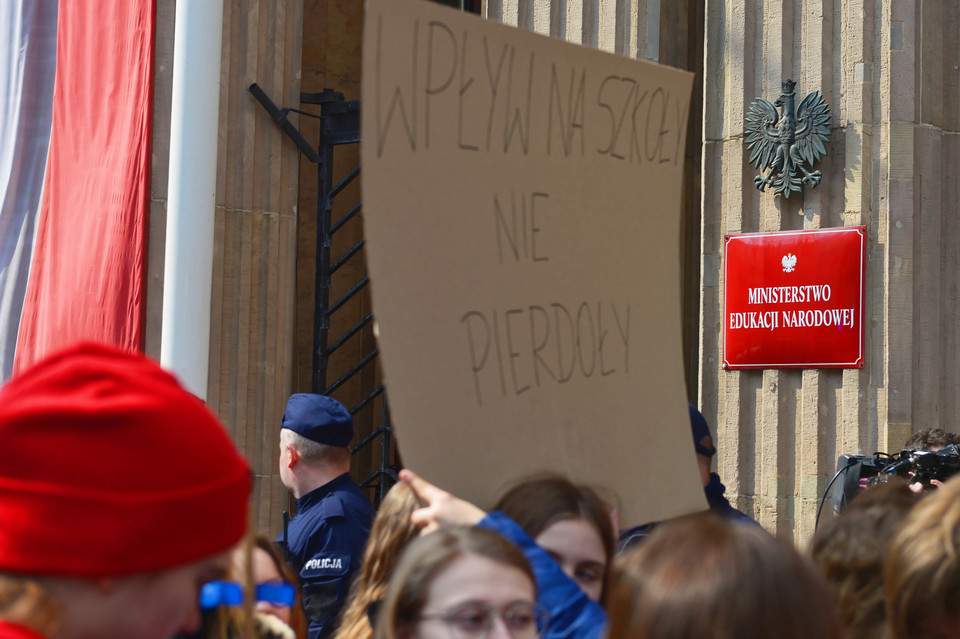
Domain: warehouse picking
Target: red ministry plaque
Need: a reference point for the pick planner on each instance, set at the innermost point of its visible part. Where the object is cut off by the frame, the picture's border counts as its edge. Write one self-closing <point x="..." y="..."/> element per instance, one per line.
<point x="794" y="299"/>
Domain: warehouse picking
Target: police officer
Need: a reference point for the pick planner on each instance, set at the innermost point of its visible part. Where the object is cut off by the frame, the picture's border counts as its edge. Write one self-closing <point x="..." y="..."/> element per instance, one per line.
<point x="325" y="539"/>
<point x="712" y="486"/>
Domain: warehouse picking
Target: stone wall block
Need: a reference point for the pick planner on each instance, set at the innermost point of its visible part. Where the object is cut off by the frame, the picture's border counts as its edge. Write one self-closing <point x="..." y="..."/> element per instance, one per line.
<point x="741" y="25"/>
<point x="950" y="286"/>
<point x="607" y="25"/>
<point x="573" y="20"/>
<point x="808" y="445"/>
<point x="899" y="300"/>
<point x="710" y="280"/>
<point x="950" y="67"/>
<point x="902" y="61"/>
<point x="927" y="278"/>
<point x="543" y="19"/>
<point x="815" y="22"/>
<point x="932" y="59"/>
<point x="626" y="27"/>
<point x="772" y="434"/>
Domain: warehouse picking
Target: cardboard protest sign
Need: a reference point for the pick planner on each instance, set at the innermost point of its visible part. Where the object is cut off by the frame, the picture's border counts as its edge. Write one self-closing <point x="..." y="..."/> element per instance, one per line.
<point x="522" y="215"/>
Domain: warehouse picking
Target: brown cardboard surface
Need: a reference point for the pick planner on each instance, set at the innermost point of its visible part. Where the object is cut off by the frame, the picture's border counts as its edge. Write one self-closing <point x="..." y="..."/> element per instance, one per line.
<point x="522" y="214"/>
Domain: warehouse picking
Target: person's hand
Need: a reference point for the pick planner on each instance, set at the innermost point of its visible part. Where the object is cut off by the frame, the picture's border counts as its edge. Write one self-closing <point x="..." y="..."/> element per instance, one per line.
<point x="917" y="486"/>
<point x="440" y="508"/>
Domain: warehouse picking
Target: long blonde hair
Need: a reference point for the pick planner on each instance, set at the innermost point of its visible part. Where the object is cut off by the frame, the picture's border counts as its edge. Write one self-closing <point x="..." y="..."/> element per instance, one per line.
<point x="922" y="567"/>
<point x="27" y="603"/>
<point x="390" y="533"/>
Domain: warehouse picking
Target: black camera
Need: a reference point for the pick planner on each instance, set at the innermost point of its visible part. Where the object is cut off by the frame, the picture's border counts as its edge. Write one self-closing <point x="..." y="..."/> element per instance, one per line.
<point x="853" y="474"/>
<point x="856" y="472"/>
<point x="924" y="465"/>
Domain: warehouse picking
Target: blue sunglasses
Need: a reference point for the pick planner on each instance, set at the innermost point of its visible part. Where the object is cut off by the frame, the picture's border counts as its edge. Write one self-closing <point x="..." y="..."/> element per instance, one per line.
<point x="230" y="593"/>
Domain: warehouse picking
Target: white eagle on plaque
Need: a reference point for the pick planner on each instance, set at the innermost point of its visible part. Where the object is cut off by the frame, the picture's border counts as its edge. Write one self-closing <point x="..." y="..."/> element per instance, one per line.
<point x="789" y="262"/>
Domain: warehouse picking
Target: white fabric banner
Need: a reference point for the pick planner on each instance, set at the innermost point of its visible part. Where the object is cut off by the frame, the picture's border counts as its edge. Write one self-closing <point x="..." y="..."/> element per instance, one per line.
<point x="28" y="59"/>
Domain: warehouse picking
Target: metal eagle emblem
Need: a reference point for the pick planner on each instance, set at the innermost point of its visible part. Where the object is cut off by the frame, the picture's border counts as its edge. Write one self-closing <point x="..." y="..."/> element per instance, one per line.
<point x="785" y="144"/>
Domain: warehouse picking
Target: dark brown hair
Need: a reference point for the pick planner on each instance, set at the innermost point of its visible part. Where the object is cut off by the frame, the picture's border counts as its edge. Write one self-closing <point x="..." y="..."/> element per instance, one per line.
<point x="704" y="576"/>
<point x="930" y="438"/>
<point x="850" y="549"/>
<point x="539" y="502"/>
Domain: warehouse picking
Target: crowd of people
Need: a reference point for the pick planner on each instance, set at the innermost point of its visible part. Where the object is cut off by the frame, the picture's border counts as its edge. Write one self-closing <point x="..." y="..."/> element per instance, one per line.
<point x="123" y="514"/>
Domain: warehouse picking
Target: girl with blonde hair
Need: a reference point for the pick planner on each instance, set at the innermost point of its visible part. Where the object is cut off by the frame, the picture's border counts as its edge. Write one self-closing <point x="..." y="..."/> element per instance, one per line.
<point x="390" y="533"/>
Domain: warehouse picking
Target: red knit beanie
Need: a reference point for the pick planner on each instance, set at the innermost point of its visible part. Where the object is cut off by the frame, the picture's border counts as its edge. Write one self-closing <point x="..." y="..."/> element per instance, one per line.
<point x="109" y="467"/>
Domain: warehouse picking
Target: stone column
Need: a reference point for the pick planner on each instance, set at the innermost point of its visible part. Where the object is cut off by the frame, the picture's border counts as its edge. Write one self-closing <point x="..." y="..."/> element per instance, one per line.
<point x="252" y="306"/>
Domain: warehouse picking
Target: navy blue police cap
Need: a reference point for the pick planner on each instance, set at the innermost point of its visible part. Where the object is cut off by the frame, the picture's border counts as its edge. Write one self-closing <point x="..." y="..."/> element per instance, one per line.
<point x="700" y="430"/>
<point x="318" y="418"/>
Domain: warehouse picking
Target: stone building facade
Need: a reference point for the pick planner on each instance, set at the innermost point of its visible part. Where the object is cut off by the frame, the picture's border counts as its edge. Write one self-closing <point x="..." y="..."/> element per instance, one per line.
<point x="890" y="69"/>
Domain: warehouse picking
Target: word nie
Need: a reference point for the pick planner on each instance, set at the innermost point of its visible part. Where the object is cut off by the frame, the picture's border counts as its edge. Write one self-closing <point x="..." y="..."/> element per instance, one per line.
<point x="515" y="232"/>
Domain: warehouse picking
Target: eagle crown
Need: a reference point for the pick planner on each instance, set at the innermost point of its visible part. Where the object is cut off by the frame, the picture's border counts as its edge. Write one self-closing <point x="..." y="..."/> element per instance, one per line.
<point x="786" y="97"/>
<point x="787" y="146"/>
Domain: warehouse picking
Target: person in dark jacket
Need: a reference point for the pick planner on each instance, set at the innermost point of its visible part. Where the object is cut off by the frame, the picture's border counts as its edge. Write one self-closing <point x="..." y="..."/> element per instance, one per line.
<point x="712" y="486"/>
<point x="324" y="541"/>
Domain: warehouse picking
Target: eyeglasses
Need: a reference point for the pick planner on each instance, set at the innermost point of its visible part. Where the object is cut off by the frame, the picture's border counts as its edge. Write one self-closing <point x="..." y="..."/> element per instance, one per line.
<point x="523" y="620"/>
<point x="230" y="593"/>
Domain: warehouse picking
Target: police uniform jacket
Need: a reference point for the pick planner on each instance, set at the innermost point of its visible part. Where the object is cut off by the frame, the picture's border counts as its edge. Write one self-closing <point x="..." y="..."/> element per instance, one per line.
<point x="324" y="543"/>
